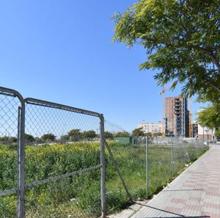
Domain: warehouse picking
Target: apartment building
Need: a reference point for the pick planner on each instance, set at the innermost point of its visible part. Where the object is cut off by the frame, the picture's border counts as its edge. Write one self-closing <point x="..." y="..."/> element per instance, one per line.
<point x="203" y="133"/>
<point x="152" y="127"/>
<point x="177" y="116"/>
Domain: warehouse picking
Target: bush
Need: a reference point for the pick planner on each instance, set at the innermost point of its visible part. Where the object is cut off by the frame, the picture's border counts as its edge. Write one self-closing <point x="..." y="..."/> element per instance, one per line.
<point x="8" y="140"/>
<point x="29" y="138"/>
<point x="90" y="134"/>
<point x="48" y="137"/>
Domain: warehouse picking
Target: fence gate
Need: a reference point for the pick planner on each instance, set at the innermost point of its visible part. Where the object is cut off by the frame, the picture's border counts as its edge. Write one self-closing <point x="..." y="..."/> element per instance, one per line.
<point x="51" y="159"/>
<point x="64" y="158"/>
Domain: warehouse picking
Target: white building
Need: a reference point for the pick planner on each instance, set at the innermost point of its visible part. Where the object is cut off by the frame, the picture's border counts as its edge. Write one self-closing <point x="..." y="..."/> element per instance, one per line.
<point x="152" y="127"/>
<point x="203" y="133"/>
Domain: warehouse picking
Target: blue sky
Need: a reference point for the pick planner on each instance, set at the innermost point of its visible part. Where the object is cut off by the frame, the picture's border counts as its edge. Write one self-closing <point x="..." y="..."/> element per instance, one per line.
<point x="63" y="51"/>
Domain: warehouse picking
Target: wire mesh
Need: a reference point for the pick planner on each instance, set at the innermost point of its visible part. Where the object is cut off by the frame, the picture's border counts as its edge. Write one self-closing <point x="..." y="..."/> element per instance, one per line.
<point x="130" y="158"/>
<point x="146" y="163"/>
<point x="62" y="163"/>
<point x="8" y="154"/>
<point x="168" y="157"/>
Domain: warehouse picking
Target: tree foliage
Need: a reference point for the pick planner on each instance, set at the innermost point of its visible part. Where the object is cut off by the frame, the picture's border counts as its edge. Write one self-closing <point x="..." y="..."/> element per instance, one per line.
<point x="48" y="137"/>
<point x="122" y="134"/>
<point x="74" y="134"/>
<point x="138" y="132"/>
<point x="210" y="116"/>
<point x="217" y="133"/>
<point x="148" y="134"/>
<point x="108" y="135"/>
<point x="182" y="41"/>
<point x="156" y="134"/>
<point x="8" y="140"/>
<point x="29" y="138"/>
<point x="90" y="134"/>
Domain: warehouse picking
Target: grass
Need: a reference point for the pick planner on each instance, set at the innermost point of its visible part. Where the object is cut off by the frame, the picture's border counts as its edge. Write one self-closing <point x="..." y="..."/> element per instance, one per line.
<point x="132" y="163"/>
<point x="79" y="196"/>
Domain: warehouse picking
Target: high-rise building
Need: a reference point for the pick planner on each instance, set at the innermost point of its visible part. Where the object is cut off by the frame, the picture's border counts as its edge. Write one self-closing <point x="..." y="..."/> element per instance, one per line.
<point x="176" y="116"/>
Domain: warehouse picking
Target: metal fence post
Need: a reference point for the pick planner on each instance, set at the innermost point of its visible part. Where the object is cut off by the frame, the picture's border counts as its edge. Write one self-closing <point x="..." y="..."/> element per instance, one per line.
<point x="172" y="157"/>
<point x="103" y="168"/>
<point x="147" y="168"/>
<point x="21" y="154"/>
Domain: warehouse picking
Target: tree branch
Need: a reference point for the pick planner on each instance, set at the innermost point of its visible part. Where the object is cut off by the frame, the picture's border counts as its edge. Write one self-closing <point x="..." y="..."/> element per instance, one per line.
<point x="211" y="55"/>
<point x="212" y="85"/>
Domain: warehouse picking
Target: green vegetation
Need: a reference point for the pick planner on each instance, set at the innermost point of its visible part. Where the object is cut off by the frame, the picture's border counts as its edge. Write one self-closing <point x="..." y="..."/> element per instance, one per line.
<point x="210" y="117"/>
<point x="122" y="134"/>
<point x="80" y="194"/>
<point x="108" y="135"/>
<point x="8" y="140"/>
<point x="181" y="39"/>
<point x="48" y="137"/>
<point x="138" y="132"/>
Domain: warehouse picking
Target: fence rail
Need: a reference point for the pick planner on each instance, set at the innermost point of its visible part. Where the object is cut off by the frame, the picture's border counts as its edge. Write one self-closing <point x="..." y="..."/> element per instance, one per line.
<point x="49" y="104"/>
<point x="57" y="160"/>
<point x="27" y="142"/>
<point x="146" y="164"/>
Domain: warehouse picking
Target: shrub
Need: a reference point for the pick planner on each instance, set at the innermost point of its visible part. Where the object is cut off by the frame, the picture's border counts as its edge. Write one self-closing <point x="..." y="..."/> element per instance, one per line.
<point x="48" y="137"/>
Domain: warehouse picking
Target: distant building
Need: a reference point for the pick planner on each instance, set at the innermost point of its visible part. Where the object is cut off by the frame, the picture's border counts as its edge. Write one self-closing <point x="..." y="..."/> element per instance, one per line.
<point x="203" y="133"/>
<point x="152" y="127"/>
<point x="190" y="125"/>
<point x="195" y="130"/>
<point x="176" y="116"/>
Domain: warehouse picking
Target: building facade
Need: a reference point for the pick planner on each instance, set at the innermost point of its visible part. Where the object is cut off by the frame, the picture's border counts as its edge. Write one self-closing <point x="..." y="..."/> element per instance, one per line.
<point x="152" y="127"/>
<point x="177" y="116"/>
<point x="203" y="133"/>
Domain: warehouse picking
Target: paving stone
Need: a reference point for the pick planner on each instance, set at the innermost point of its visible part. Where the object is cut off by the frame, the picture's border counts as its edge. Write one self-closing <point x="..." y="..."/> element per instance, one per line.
<point x="195" y="192"/>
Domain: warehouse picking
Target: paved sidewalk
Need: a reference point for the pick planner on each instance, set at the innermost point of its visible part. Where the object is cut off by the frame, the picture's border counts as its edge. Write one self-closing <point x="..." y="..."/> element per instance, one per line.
<point x="194" y="193"/>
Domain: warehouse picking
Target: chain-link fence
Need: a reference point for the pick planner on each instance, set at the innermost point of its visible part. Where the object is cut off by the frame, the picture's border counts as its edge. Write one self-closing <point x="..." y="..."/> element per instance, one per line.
<point x="130" y="157"/>
<point x="146" y="164"/>
<point x="168" y="157"/>
<point x="62" y="161"/>
<point x="51" y="159"/>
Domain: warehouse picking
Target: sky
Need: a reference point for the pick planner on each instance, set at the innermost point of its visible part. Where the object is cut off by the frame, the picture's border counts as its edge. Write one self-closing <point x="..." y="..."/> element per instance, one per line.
<point x="63" y="51"/>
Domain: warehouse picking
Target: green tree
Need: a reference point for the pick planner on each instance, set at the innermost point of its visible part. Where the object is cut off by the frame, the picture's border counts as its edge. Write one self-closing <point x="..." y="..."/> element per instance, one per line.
<point x="108" y="135"/>
<point x="138" y="132"/>
<point x="90" y="134"/>
<point x="181" y="38"/>
<point x="29" y="138"/>
<point x="8" y="140"/>
<point x="157" y="134"/>
<point x="75" y="134"/>
<point x="49" y="137"/>
<point x="149" y="134"/>
<point x="210" y="116"/>
<point x="217" y="133"/>
<point x="122" y="134"/>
